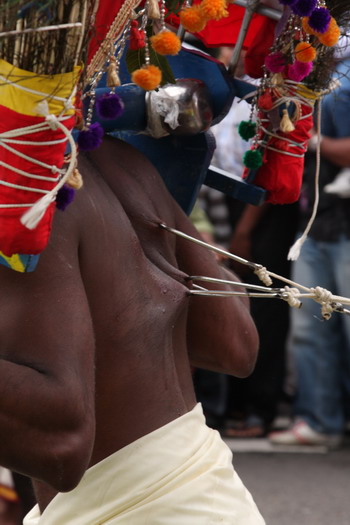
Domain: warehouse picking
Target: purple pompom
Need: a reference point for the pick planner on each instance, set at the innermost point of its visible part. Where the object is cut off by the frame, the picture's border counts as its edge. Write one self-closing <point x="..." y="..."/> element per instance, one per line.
<point x="304" y="7"/>
<point x="109" y="106"/>
<point x="65" y="196"/>
<point x="320" y="19"/>
<point x="299" y="70"/>
<point x="90" y="138"/>
<point x="275" y="62"/>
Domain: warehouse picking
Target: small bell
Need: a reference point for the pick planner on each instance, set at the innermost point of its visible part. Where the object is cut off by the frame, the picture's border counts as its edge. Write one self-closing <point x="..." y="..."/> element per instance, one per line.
<point x="153" y="10"/>
<point x="75" y="180"/>
<point x="286" y="125"/>
<point x="137" y="38"/>
<point x="113" y="79"/>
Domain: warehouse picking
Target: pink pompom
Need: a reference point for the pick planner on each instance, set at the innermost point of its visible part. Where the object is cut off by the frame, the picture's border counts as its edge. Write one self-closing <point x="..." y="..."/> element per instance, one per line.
<point x="299" y="70"/>
<point x="275" y="62"/>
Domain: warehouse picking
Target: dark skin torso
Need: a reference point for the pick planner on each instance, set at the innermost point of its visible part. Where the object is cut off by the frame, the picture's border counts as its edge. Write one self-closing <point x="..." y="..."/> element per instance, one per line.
<point x="124" y="320"/>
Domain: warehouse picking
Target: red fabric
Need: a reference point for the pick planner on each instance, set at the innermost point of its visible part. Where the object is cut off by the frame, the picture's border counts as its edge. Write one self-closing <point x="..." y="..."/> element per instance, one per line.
<point x="224" y="32"/>
<point x="281" y="175"/>
<point x="14" y="237"/>
<point x="259" y="47"/>
<point x="106" y="13"/>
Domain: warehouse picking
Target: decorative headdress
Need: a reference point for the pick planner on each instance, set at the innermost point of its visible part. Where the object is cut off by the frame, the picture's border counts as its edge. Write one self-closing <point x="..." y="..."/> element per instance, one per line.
<point x="296" y="74"/>
<point x="42" y="50"/>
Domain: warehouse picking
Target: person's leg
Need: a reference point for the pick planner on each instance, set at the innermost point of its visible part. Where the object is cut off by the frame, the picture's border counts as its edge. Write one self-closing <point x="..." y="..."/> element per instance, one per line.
<point x="342" y="274"/>
<point x="315" y="344"/>
<point x="211" y="391"/>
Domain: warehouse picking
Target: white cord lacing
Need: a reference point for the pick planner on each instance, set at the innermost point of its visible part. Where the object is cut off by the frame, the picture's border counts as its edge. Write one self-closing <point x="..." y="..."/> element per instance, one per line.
<point x="36" y="211"/>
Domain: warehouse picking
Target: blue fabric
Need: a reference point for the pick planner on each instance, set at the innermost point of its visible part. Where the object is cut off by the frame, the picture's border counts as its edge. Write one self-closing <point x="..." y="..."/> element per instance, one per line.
<point x="321" y="349"/>
<point x="335" y="121"/>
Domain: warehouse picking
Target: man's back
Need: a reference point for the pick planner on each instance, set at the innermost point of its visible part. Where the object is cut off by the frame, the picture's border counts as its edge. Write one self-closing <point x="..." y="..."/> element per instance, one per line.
<point x="107" y="326"/>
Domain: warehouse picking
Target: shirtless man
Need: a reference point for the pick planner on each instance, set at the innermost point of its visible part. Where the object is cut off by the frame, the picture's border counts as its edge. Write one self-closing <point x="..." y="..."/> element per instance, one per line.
<point x="95" y="355"/>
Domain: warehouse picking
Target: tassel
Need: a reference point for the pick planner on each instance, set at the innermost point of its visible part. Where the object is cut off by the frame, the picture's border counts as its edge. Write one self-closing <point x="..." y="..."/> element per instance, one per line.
<point x="113" y="79"/>
<point x="286" y="125"/>
<point x="153" y="10"/>
<point x="31" y="218"/>
<point x="75" y="180"/>
<point x="137" y="37"/>
<point x="295" y="250"/>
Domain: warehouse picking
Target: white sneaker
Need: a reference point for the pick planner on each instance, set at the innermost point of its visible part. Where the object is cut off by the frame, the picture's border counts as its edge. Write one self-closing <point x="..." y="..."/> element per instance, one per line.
<point x="341" y="184"/>
<point x="301" y="434"/>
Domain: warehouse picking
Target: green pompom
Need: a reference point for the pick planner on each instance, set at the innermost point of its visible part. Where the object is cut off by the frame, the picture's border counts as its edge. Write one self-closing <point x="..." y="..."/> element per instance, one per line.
<point x="247" y="129"/>
<point x="252" y="159"/>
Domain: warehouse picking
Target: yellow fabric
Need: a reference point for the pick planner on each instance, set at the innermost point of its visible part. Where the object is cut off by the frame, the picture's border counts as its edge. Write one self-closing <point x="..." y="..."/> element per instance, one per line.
<point x="24" y="102"/>
<point x="14" y="262"/>
<point x="179" y="474"/>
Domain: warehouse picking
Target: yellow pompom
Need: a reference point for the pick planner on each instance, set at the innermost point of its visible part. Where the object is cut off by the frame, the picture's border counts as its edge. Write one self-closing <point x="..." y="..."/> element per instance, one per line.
<point x="331" y="36"/>
<point x="147" y="78"/>
<point x="304" y="52"/>
<point x="192" y="19"/>
<point x="213" y="9"/>
<point x="166" y="43"/>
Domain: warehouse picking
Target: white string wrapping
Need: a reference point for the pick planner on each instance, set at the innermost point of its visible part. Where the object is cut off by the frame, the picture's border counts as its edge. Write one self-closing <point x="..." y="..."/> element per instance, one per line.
<point x="36" y="211"/>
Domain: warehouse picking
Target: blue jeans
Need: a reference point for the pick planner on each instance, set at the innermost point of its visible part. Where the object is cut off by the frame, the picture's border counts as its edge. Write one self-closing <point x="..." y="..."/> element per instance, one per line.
<point x="320" y="349"/>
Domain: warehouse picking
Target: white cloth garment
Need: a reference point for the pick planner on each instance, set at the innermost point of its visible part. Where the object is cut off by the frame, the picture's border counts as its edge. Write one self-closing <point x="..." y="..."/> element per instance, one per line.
<point x="179" y="474"/>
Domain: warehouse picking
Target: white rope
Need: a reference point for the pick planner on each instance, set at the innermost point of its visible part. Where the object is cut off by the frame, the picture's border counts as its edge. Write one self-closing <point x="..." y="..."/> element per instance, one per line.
<point x="291" y="294"/>
<point x="36" y="211"/>
<point x="30" y="175"/>
<point x="263" y="275"/>
<point x="294" y="251"/>
<point x="33" y="91"/>
<point x="53" y="168"/>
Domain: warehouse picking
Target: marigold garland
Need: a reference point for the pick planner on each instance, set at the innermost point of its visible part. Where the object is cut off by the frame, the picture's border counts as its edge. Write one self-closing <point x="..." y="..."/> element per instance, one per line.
<point x="213" y="9"/>
<point x="166" y="43"/>
<point x="147" y="78"/>
<point x="305" y="52"/>
<point x="192" y="20"/>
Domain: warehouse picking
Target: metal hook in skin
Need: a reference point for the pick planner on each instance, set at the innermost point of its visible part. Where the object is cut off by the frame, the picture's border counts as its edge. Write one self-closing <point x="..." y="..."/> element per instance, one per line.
<point x="234" y="283"/>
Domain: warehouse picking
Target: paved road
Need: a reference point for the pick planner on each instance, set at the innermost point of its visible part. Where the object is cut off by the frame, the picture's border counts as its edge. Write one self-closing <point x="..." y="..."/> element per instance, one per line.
<point x="311" y="487"/>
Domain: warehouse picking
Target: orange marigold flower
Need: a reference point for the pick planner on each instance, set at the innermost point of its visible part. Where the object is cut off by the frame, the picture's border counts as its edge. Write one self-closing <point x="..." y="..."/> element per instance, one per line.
<point x="331" y="36"/>
<point x="192" y="19"/>
<point x="304" y="52"/>
<point x="147" y="78"/>
<point x="213" y="9"/>
<point x="166" y="43"/>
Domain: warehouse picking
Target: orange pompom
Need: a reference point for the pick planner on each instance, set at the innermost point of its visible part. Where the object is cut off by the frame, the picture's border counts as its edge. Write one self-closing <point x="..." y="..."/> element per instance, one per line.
<point x="147" y="78"/>
<point x="306" y="27"/>
<point x="192" y="19"/>
<point x="213" y="9"/>
<point x="331" y="36"/>
<point x="304" y="52"/>
<point x="166" y="43"/>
